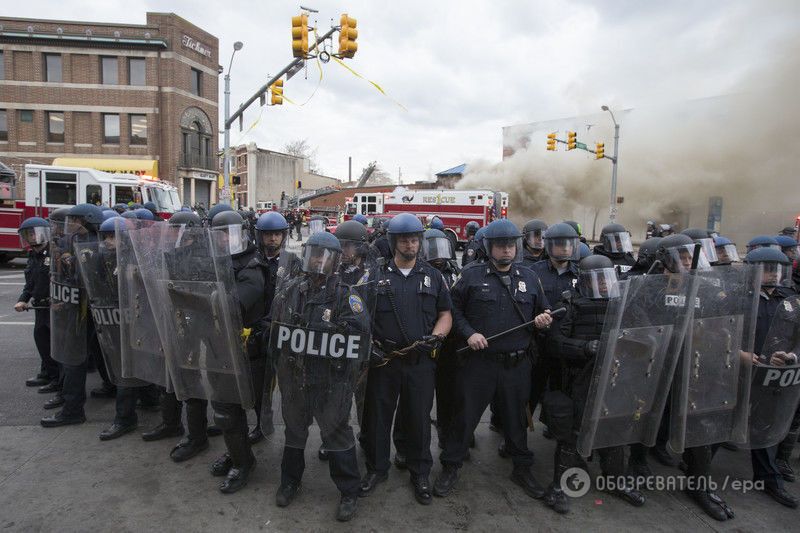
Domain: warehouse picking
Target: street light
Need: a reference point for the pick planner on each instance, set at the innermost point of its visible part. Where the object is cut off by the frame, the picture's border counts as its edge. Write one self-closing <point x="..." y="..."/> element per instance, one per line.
<point x="226" y="159"/>
<point x="612" y="211"/>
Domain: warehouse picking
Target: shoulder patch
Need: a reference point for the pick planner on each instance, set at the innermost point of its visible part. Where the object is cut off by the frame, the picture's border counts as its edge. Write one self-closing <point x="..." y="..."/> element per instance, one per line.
<point x="356" y="304"/>
<point x="787" y="305"/>
<point x="47" y="261"/>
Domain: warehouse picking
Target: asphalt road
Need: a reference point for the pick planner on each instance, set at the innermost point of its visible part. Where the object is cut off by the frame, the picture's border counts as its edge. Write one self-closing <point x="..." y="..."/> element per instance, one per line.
<point x="67" y="480"/>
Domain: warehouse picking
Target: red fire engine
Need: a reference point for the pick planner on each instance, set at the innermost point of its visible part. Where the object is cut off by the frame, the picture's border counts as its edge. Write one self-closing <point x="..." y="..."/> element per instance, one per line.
<point x="50" y="187"/>
<point x="454" y="207"/>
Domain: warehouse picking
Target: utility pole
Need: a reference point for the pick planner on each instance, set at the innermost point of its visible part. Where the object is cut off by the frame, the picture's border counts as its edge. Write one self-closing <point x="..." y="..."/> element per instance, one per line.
<point x="226" y="156"/>
<point x="612" y="211"/>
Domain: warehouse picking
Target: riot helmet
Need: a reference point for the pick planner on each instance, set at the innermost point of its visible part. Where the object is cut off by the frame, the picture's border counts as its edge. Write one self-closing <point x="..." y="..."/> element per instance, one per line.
<point x="788" y="246"/>
<point x="322" y="254"/>
<point x="648" y="252"/>
<point x="405" y="235"/>
<point x="616" y="239"/>
<point x="84" y="218"/>
<point x="776" y="267"/>
<point x="271" y="232"/>
<point x="705" y="240"/>
<point x="317" y="224"/>
<point x="354" y="240"/>
<point x="726" y="251"/>
<point x="676" y="253"/>
<point x="533" y="230"/>
<point x="436" y="223"/>
<point x="34" y="232"/>
<point x="471" y="228"/>
<point x="762" y="241"/>
<point x="598" y="278"/>
<point x="561" y="242"/>
<point x="502" y="242"/>
<point x="229" y="233"/>
<point x="436" y="246"/>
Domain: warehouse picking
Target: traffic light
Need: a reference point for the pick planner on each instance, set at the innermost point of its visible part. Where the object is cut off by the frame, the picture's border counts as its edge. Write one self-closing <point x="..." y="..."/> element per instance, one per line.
<point x="551" y="141"/>
<point x="572" y="138"/>
<point x="300" y="35"/>
<point x="236" y="180"/>
<point x="277" y="92"/>
<point x="347" y="36"/>
<point x="298" y="184"/>
<point x="600" y="151"/>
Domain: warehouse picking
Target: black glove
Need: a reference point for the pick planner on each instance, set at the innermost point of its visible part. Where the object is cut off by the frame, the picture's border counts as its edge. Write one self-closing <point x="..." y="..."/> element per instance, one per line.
<point x="591" y="348"/>
<point x="434" y="341"/>
<point x="377" y="357"/>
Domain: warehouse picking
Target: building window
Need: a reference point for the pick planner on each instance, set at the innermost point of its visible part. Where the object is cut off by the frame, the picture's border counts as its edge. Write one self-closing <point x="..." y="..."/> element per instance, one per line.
<point x="52" y="71"/>
<point x="26" y="115"/>
<point x="196" y="82"/>
<point x="109" y="71"/>
<point x="138" y="129"/>
<point x="94" y="194"/>
<point x="55" y="126"/>
<point x="2" y="66"/>
<point x="111" y="129"/>
<point x="3" y="125"/>
<point x="123" y="195"/>
<point x="136" y="71"/>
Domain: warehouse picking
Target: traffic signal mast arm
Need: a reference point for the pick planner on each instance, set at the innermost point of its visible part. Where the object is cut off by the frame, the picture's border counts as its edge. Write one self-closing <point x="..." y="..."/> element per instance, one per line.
<point x="265" y="88"/>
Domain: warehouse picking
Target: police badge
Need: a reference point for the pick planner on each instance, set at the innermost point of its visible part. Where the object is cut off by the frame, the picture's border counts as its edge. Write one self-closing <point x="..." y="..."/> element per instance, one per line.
<point x="326" y="315"/>
<point x="47" y="261"/>
<point x="522" y="287"/>
<point x="427" y="281"/>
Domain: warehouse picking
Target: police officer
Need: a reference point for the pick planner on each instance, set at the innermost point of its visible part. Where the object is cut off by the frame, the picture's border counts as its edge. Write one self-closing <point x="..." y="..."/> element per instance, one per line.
<point x="762" y="241"/>
<point x="576" y="343"/>
<point x="180" y="260"/>
<point x="381" y="242"/>
<point x="34" y="234"/>
<point x="229" y="232"/>
<point x="645" y="257"/>
<point x="578" y="230"/>
<point x="315" y="386"/>
<point x="615" y="243"/>
<point x="83" y="221"/>
<point x="412" y="318"/>
<point x="789" y="248"/>
<point x="488" y="300"/>
<point x="271" y="234"/>
<point x="726" y="251"/>
<point x="471" y="229"/>
<point x="474" y="251"/>
<point x="151" y="206"/>
<point x="533" y="242"/>
<point x="557" y="274"/>
<point x="776" y="269"/>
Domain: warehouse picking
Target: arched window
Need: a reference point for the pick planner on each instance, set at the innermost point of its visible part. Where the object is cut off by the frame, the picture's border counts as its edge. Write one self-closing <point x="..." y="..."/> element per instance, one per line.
<point x="196" y="144"/>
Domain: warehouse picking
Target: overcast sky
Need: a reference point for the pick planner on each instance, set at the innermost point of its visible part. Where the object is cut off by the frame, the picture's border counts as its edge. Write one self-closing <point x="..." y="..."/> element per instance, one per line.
<point x="464" y="69"/>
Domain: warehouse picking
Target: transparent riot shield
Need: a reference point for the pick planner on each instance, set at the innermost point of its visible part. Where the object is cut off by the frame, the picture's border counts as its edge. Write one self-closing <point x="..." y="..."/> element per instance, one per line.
<point x="201" y="322"/>
<point x="775" y="390"/>
<point x="710" y="392"/>
<point x="69" y="309"/>
<point x="142" y="351"/>
<point x="640" y="346"/>
<point x="98" y="269"/>
<point x="320" y="344"/>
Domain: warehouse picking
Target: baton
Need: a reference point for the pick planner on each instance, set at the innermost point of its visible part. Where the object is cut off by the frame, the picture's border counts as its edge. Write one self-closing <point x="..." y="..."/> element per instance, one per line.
<point x="696" y="256"/>
<point x="555" y="314"/>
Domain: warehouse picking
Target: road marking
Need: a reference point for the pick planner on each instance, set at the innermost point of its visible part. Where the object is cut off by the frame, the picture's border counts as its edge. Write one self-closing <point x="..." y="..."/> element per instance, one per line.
<point x="8" y="283"/>
<point x="15" y="323"/>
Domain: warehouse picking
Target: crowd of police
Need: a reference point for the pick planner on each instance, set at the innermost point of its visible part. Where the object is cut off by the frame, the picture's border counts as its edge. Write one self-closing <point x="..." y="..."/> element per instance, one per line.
<point x="377" y="325"/>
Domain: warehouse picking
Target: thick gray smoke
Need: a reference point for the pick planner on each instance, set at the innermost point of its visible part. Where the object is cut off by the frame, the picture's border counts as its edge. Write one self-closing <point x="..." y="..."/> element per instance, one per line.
<point x="742" y="147"/>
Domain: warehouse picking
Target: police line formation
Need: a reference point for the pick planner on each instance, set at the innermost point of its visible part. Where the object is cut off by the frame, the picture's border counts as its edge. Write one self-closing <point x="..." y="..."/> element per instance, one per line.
<point x="671" y="354"/>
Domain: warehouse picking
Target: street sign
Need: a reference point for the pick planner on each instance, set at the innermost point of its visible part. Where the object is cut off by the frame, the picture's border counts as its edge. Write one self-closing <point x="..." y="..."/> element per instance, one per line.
<point x="580" y="145"/>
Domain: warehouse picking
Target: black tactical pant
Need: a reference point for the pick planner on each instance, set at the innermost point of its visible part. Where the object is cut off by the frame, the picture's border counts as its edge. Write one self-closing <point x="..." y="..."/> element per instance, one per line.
<point x="410" y="381"/>
<point x="41" y="336"/>
<point x="126" y="402"/>
<point x="764" y="467"/>
<point x="196" y="417"/>
<point x="481" y="380"/>
<point x="446" y="370"/>
<point x="698" y="460"/>
<point x="786" y="446"/>
<point x="232" y="420"/>
<point x="329" y="403"/>
<point x="73" y="386"/>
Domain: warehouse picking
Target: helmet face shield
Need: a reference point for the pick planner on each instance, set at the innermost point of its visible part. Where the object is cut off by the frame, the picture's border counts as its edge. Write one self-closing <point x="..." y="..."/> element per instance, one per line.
<point x="751" y="247"/>
<point x="563" y="248"/>
<point x="75" y="224"/>
<point x="503" y="250"/>
<point x="727" y="254"/>
<point x="600" y="283"/>
<point x="318" y="260"/>
<point x="353" y="251"/>
<point x="679" y="259"/>
<point x="534" y="239"/>
<point x="36" y="236"/>
<point x="791" y="252"/>
<point x="617" y="242"/>
<point x="230" y="240"/>
<point x="775" y="274"/>
<point x="709" y="249"/>
<point x="437" y="248"/>
<point x="315" y="226"/>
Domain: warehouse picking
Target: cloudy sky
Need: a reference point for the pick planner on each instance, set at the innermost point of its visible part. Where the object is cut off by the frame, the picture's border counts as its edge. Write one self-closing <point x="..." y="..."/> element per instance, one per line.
<point x="464" y="69"/>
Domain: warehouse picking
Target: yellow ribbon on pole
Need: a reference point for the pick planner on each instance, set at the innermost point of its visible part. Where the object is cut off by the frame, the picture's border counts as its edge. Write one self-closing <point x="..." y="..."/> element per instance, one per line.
<point x="371" y="82"/>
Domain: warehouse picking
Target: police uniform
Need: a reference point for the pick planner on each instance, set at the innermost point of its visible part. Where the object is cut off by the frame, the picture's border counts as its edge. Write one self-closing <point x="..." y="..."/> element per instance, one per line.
<point x="37" y="291"/>
<point x="312" y="383"/>
<point x="623" y="261"/>
<point x="529" y="258"/>
<point x="472" y="252"/>
<point x="407" y="310"/>
<point x="263" y="402"/>
<point x="487" y="301"/>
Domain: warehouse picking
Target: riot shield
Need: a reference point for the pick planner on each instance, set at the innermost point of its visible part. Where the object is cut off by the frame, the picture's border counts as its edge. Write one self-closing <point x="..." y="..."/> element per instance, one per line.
<point x="775" y="390"/>
<point x="710" y="392"/>
<point x="320" y="345"/>
<point x="142" y="352"/>
<point x="69" y="309"/>
<point x="640" y="345"/>
<point x="98" y="269"/>
<point x="201" y="326"/>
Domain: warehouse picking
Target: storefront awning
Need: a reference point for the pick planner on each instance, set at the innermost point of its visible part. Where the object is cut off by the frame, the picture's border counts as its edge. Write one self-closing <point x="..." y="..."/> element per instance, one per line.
<point x="148" y="167"/>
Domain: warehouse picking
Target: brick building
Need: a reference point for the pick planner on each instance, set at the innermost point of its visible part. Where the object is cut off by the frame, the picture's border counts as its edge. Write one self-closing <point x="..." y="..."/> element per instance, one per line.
<point x="119" y="97"/>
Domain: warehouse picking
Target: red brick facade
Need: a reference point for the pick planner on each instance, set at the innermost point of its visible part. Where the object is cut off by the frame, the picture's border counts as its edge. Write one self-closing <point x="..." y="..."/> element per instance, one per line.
<point x="181" y="127"/>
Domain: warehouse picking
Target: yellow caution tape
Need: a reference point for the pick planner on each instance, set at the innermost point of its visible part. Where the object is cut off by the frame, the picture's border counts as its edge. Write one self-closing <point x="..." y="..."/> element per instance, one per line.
<point x="246" y="334"/>
<point x="370" y="81"/>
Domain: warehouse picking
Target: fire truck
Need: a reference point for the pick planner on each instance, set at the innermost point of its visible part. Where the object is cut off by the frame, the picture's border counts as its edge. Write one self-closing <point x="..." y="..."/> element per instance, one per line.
<point x="454" y="207"/>
<point x="49" y="187"/>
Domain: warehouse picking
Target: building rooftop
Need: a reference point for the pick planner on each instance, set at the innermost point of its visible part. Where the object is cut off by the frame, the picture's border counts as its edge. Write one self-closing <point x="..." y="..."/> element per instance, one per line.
<point x="459" y="170"/>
